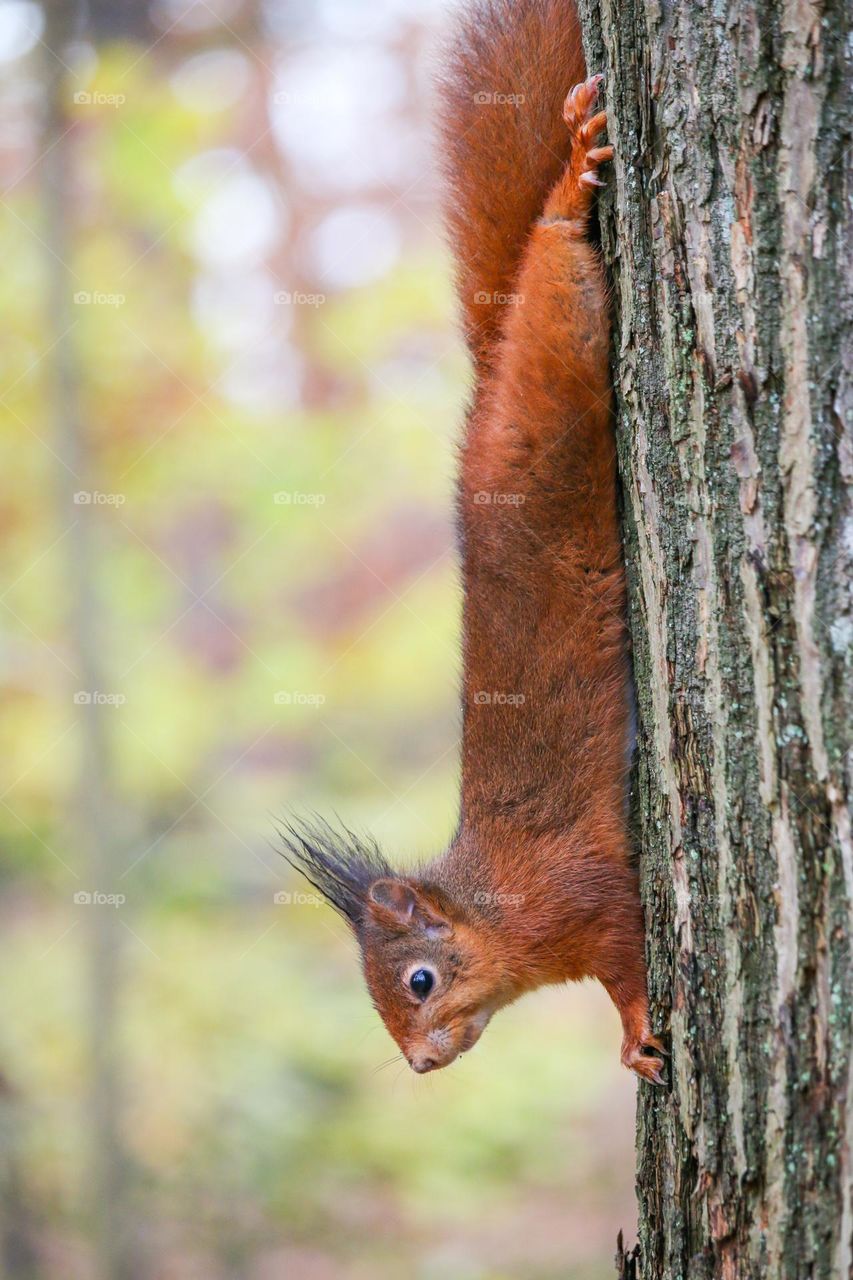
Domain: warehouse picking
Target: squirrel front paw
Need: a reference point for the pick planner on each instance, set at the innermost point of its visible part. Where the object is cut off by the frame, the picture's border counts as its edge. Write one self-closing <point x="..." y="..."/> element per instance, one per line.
<point x="572" y="196"/>
<point x="640" y="1053"/>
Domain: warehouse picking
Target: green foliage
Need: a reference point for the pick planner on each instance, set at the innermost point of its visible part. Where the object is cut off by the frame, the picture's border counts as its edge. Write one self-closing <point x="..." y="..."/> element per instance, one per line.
<point x="263" y="654"/>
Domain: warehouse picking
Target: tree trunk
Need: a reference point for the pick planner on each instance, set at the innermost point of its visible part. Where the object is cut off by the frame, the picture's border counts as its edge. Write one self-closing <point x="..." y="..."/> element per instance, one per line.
<point x="92" y="831"/>
<point x="727" y="228"/>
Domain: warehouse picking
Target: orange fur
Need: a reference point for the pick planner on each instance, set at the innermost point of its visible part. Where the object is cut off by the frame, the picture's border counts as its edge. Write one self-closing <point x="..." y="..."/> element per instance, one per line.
<point x="538" y="884"/>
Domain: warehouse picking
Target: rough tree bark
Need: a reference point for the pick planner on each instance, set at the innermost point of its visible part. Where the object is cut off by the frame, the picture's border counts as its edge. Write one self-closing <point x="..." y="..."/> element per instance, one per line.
<point x="728" y="232"/>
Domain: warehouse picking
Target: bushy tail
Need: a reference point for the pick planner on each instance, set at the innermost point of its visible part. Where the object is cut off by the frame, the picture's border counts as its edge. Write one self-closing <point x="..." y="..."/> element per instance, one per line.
<point x="509" y="66"/>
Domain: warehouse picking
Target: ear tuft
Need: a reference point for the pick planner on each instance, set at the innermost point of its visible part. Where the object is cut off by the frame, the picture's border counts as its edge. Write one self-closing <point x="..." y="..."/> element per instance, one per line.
<point x="338" y="863"/>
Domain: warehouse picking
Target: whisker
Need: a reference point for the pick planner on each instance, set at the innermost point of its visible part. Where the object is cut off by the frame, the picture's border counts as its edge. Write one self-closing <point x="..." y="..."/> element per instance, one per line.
<point x="397" y="1057"/>
<point x="398" y="1075"/>
<point x="370" y="1030"/>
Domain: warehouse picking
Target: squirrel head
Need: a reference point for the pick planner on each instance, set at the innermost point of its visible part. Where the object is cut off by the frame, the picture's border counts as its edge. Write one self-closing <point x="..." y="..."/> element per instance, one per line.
<point x="434" y="972"/>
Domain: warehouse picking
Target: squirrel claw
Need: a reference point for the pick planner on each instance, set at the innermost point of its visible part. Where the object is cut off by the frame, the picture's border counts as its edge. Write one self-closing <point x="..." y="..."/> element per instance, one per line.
<point x="579" y="101"/>
<point x="592" y="128"/>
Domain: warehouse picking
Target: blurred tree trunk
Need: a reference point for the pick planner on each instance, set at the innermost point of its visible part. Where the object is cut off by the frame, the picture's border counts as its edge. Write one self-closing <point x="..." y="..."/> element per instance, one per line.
<point x="17" y="1229"/>
<point x="93" y="828"/>
<point x="728" y="233"/>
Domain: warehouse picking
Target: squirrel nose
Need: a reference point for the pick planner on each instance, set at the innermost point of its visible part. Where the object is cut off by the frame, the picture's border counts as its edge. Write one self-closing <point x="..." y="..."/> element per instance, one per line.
<point x="423" y="1064"/>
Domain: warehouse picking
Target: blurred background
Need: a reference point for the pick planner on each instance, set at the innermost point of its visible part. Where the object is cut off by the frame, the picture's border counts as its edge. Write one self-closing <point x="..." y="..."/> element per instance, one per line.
<point x="231" y="385"/>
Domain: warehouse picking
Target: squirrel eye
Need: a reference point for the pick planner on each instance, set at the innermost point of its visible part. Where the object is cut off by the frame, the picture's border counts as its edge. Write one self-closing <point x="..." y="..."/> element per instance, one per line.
<point x="421" y="983"/>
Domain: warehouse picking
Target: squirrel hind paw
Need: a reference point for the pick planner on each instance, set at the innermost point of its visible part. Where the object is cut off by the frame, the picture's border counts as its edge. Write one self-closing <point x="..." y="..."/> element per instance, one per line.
<point x="585" y="124"/>
<point x="571" y="197"/>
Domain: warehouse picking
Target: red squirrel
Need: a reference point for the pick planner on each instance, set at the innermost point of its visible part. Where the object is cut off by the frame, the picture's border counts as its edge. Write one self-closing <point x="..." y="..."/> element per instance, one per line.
<point x="538" y="884"/>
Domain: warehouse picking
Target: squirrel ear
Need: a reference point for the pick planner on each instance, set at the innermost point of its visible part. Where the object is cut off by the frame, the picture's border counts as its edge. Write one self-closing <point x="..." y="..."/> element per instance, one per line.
<point x="403" y="906"/>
